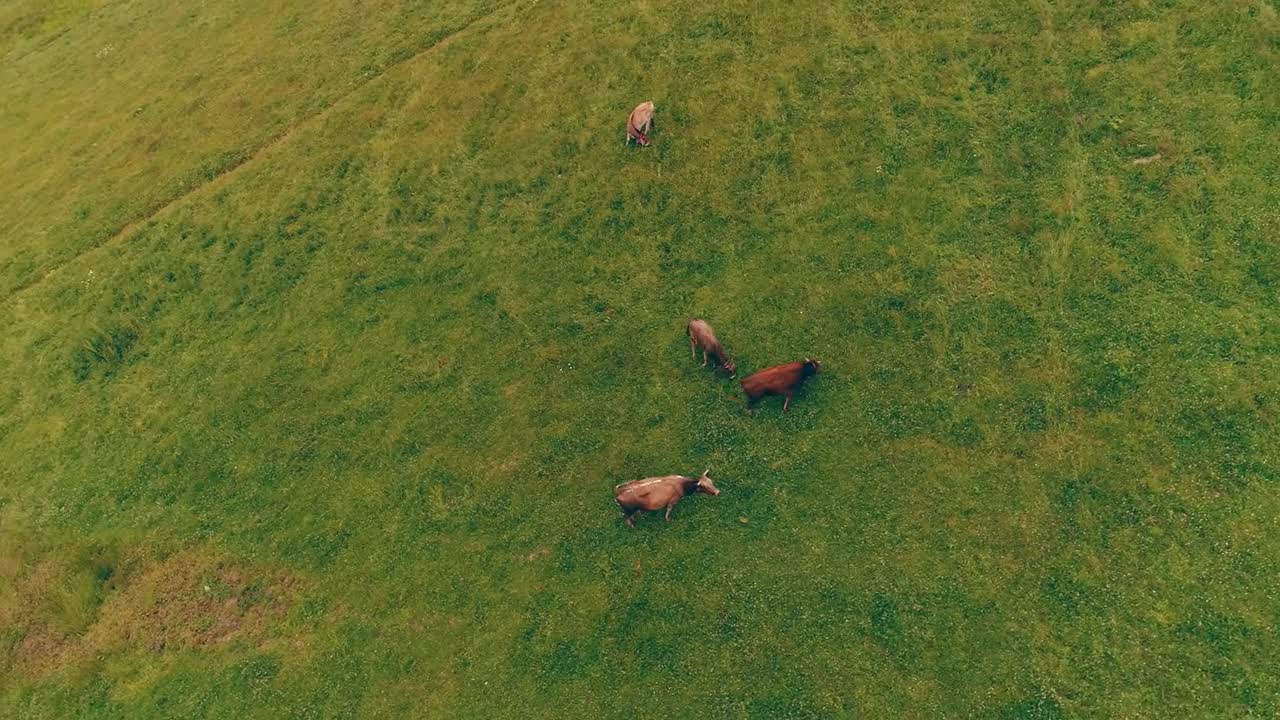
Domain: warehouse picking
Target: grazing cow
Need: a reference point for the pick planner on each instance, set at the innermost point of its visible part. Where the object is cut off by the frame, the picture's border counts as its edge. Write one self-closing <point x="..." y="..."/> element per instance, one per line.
<point x="656" y="493"/>
<point x="702" y="337"/>
<point x="640" y="123"/>
<point x="779" y="380"/>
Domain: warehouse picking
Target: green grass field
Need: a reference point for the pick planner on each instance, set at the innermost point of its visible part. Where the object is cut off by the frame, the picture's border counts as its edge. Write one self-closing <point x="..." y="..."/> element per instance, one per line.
<point x="328" y="329"/>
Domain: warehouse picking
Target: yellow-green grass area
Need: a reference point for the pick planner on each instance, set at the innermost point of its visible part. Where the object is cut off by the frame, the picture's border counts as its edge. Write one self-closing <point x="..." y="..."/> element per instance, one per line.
<point x="330" y="327"/>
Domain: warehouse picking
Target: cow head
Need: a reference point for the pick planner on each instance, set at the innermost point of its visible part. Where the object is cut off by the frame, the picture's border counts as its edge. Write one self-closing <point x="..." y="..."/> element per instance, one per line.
<point x="730" y="367"/>
<point x="705" y="485"/>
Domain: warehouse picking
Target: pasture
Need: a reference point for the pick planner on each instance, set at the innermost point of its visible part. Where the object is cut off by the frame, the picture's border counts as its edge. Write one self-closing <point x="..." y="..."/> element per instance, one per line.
<point x="328" y="329"/>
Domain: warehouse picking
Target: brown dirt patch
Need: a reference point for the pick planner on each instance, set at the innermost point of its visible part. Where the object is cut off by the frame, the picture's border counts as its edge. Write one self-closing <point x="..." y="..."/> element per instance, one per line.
<point x="505" y="467"/>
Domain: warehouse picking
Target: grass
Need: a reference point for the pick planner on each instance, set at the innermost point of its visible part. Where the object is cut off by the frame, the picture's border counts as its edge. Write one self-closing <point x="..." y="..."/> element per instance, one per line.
<point x="355" y="313"/>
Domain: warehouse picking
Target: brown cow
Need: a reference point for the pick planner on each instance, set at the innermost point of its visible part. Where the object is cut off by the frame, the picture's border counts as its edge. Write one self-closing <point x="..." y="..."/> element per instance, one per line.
<point x="640" y="123"/>
<point x="656" y="493"/>
<point x="702" y="337"/>
<point x="779" y="380"/>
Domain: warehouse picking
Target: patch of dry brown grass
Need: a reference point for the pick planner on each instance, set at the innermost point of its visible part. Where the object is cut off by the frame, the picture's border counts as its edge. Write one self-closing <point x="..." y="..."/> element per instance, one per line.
<point x="195" y="599"/>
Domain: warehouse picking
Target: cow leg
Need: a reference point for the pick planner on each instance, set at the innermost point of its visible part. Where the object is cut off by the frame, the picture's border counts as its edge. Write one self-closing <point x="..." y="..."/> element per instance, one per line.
<point x="787" y="403"/>
<point x="693" y="348"/>
<point x="669" y="511"/>
<point x="628" y="517"/>
<point x="704" y="358"/>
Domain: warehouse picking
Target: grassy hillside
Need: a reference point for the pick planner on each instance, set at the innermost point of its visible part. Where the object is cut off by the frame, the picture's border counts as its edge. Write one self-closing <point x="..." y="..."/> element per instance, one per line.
<point x="330" y="327"/>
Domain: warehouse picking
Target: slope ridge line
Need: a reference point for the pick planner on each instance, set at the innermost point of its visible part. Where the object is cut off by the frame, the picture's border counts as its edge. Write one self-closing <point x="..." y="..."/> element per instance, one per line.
<point x="257" y="151"/>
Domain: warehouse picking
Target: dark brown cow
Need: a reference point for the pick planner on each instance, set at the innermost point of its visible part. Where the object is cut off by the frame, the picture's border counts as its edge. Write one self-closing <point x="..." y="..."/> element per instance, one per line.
<point x="640" y="123"/>
<point x="779" y="380"/>
<point x="702" y="337"/>
<point x="656" y="493"/>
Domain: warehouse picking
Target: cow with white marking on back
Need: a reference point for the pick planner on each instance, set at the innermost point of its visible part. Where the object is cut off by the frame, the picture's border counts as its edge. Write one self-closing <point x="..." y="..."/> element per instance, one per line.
<point x="656" y="493"/>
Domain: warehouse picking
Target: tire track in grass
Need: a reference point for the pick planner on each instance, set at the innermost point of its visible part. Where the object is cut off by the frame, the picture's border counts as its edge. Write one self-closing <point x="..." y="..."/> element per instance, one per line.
<point x="224" y="174"/>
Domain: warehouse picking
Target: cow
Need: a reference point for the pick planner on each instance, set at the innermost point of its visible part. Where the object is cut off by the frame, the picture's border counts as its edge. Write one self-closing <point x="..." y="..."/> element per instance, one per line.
<point x="779" y="380"/>
<point x="702" y="337"/>
<point x="656" y="493"/>
<point x="640" y="123"/>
